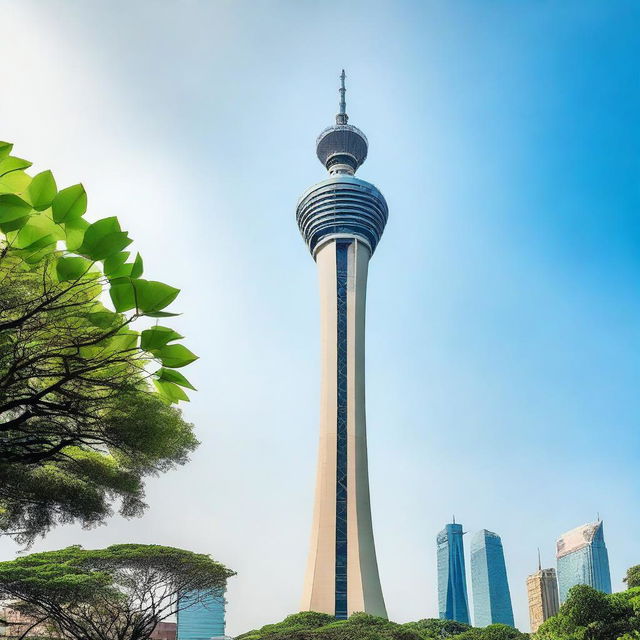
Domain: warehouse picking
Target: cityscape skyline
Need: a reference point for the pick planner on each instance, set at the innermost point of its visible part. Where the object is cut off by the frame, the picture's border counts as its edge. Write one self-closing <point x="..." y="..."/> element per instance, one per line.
<point x="507" y="321"/>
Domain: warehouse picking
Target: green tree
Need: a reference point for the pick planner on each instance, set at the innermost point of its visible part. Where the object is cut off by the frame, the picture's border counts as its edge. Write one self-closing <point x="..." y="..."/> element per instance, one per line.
<point x="435" y="628"/>
<point x="117" y="593"/>
<point x="589" y="614"/>
<point x="493" y="632"/>
<point x="85" y="399"/>
<point x="360" y="626"/>
<point x="633" y="577"/>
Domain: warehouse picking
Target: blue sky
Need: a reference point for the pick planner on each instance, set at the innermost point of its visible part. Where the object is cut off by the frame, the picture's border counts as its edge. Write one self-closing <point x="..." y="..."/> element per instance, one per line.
<point x="503" y="309"/>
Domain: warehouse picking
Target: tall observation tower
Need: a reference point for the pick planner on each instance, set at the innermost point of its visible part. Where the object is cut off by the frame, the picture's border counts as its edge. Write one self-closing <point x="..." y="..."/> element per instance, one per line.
<point x="342" y="219"/>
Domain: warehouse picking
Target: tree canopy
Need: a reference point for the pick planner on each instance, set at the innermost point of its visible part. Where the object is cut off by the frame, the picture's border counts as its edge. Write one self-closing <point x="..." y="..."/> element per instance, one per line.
<point x="360" y="626"/>
<point x="117" y="593"/>
<point x="589" y="614"/>
<point x="86" y="399"/>
<point x="633" y="576"/>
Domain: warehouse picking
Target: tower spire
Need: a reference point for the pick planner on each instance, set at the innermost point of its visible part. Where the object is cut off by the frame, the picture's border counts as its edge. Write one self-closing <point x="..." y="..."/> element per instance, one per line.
<point x="342" y="117"/>
<point x="539" y="561"/>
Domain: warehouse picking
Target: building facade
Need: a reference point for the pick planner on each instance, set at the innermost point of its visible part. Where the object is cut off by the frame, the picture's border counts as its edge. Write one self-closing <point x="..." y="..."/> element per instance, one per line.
<point x="453" y="603"/>
<point x="542" y="593"/>
<point x="202" y="618"/>
<point x="342" y="220"/>
<point x="583" y="559"/>
<point x="490" y="587"/>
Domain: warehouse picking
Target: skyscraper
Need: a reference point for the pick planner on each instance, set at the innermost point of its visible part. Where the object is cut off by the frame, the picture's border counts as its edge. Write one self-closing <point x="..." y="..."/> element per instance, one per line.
<point x="491" y="597"/>
<point x="202" y="618"/>
<point x="583" y="559"/>
<point x="453" y="603"/>
<point x="342" y="219"/>
<point x="542" y="592"/>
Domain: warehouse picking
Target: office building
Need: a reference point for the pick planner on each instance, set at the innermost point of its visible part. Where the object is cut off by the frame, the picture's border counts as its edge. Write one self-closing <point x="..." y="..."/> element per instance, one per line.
<point x="491" y="596"/>
<point x="453" y="603"/>
<point x="583" y="559"/>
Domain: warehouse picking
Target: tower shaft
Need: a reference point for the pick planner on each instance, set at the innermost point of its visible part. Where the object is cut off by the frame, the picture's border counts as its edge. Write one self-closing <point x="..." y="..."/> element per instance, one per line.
<point x="342" y="570"/>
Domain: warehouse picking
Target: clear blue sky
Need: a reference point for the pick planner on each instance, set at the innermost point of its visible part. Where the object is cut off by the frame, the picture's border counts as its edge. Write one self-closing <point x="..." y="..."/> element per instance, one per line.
<point x="504" y="306"/>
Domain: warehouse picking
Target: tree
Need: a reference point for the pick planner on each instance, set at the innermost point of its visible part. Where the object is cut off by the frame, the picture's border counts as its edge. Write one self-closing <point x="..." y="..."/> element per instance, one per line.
<point x="117" y="593"/>
<point x="436" y="628"/>
<point x="633" y="577"/>
<point x="361" y="626"/>
<point x="84" y="413"/>
<point x="589" y="614"/>
<point x="493" y="632"/>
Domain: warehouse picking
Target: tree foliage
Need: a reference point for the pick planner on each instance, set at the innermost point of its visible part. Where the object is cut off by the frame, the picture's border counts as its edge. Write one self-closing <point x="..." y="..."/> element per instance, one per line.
<point x="117" y="593"/>
<point x="588" y="614"/>
<point x="360" y="626"/>
<point x="633" y="576"/>
<point x="85" y="399"/>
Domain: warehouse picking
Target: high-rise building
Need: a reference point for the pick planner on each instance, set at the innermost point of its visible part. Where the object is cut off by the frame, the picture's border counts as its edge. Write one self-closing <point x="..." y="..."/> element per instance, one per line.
<point x="453" y="603"/>
<point x="583" y="559"/>
<point x="491" y="597"/>
<point x="342" y="219"/>
<point x="203" y="616"/>
<point x="542" y="592"/>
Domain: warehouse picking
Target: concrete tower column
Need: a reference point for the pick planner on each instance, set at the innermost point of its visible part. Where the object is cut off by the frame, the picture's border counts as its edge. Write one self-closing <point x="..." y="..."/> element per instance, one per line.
<point x="342" y="220"/>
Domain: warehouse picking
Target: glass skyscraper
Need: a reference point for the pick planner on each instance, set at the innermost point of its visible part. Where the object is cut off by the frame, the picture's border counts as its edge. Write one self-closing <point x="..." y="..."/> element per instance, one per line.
<point x="453" y="603"/>
<point x="583" y="559"/>
<point x="203" y="617"/>
<point x="491" y="597"/>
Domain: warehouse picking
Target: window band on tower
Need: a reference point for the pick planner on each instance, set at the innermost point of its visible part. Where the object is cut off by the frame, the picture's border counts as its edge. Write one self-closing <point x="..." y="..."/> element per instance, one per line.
<point x="342" y="250"/>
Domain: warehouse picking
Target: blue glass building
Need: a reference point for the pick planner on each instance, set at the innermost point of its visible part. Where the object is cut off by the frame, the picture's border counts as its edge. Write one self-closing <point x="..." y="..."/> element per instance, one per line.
<point x="583" y="559"/>
<point x="203" y="617"/>
<point x="453" y="603"/>
<point x="491" y="597"/>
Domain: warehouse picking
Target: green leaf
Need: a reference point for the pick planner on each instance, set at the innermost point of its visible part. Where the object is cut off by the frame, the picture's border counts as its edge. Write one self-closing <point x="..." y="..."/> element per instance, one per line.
<point x="169" y="391"/>
<point x="13" y="225"/>
<point x="122" y="294"/>
<point x="5" y="149"/>
<point x="15" y="182"/>
<point x="11" y="163"/>
<point x="162" y="314"/>
<point x="153" y="296"/>
<point x="171" y="375"/>
<point x="137" y="268"/>
<point x="116" y="266"/>
<point x="13" y="207"/>
<point x="157" y="337"/>
<point x="114" y="262"/>
<point x="102" y="319"/>
<point x="103" y="238"/>
<point x="74" y="232"/>
<point x="175" y="356"/>
<point x="71" y="268"/>
<point x="42" y="190"/>
<point x="70" y="203"/>
<point x="34" y="235"/>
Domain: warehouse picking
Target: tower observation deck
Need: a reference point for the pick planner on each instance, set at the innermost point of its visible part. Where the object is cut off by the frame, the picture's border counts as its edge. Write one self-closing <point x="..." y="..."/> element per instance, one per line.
<point x="342" y="219"/>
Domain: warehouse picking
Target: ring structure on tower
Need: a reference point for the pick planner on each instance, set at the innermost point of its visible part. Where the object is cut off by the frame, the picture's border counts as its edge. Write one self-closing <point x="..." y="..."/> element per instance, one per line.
<point x="341" y="205"/>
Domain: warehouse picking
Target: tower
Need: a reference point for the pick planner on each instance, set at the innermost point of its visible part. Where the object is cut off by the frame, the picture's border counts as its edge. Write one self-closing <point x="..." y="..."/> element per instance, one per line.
<point x="342" y="219"/>
<point x="583" y="559"/>
<point x="453" y="603"/>
<point x="542" y="593"/>
<point x="491" y="597"/>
